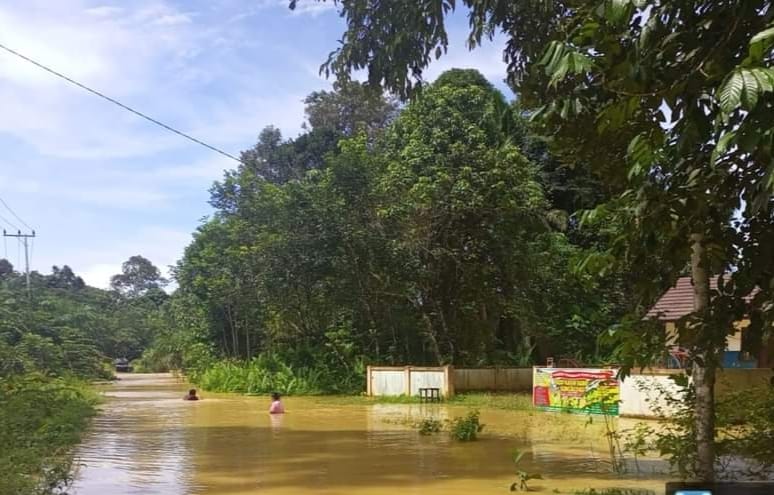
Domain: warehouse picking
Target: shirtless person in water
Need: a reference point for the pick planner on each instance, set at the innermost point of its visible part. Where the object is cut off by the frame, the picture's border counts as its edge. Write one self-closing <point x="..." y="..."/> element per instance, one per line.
<point x="191" y="395"/>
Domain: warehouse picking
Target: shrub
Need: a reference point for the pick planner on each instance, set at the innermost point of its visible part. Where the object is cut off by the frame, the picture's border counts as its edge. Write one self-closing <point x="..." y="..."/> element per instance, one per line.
<point x="270" y="372"/>
<point x="466" y="428"/>
<point x="428" y="426"/>
<point x="40" y="421"/>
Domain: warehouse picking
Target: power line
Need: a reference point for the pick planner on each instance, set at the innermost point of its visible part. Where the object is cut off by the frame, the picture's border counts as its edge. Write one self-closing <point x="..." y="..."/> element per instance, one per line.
<point x="116" y="102"/>
<point x="14" y="226"/>
<point x="15" y="215"/>
<point x="24" y="240"/>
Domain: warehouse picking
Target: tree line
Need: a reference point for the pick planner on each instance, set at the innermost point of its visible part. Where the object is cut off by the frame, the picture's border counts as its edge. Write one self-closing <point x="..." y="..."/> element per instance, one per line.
<point x="53" y="340"/>
<point x="670" y="103"/>
<point x="438" y="231"/>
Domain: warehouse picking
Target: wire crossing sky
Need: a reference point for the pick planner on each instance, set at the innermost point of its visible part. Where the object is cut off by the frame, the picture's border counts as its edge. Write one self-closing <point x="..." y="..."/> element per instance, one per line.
<point x="101" y="183"/>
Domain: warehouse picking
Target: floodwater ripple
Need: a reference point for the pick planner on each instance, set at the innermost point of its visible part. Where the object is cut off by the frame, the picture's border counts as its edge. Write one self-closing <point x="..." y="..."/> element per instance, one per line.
<point x="147" y="440"/>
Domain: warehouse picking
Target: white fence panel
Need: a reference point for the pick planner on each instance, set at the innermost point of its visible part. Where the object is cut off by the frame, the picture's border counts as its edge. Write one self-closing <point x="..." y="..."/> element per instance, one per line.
<point x="427" y="379"/>
<point x="384" y="382"/>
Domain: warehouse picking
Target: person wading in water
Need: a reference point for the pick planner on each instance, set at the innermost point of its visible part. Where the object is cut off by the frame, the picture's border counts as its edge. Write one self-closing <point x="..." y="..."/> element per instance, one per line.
<point x="276" y="405"/>
<point x="191" y="395"/>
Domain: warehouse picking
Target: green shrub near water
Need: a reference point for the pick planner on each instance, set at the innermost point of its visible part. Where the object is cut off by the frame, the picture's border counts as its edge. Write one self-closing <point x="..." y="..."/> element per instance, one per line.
<point x="466" y="428"/>
<point x="268" y="373"/>
<point x="41" y="419"/>
<point x="428" y="426"/>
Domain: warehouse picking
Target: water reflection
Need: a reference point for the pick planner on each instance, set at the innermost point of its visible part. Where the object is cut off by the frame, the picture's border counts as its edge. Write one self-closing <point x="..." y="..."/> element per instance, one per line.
<point x="150" y="441"/>
<point x="276" y="422"/>
<point x="135" y="445"/>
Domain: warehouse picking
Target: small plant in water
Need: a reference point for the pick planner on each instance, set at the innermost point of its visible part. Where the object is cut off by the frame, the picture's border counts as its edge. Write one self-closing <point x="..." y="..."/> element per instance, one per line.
<point x="522" y="476"/>
<point x="466" y="428"/>
<point x="638" y="442"/>
<point x="428" y="426"/>
<point x="613" y="436"/>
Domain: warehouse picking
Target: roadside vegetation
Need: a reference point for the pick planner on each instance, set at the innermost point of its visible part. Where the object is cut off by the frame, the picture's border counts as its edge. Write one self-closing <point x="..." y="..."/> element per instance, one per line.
<point x="54" y="340"/>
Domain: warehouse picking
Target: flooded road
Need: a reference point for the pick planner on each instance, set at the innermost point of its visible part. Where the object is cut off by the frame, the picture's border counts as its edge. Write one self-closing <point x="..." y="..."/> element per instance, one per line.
<point x="147" y="440"/>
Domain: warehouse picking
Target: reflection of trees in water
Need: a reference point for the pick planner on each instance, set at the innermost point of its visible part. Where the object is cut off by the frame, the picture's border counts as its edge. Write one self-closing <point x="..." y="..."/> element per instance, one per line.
<point x="230" y="446"/>
<point x="136" y="443"/>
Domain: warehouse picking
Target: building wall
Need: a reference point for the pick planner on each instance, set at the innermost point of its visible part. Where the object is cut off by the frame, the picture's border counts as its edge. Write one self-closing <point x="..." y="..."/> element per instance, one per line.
<point x="733" y="342"/>
<point x="640" y="395"/>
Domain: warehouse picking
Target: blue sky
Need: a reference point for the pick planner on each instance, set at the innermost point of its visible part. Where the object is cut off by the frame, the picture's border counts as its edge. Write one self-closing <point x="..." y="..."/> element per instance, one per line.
<point x="100" y="184"/>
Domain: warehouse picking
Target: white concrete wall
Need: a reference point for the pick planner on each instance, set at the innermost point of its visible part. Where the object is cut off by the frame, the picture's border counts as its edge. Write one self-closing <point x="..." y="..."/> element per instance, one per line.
<point x="387" y="382"/>
<point x="641" y="395"/>
<point x="427" y="379"/>
<point x="408" y="380"/>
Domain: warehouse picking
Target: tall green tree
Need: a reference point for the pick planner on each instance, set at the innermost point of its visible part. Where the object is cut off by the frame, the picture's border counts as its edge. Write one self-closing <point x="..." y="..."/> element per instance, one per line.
<point x="670" y="101"/>
<point x="348" y="108"/>
<point x="428" y="241"/>
<point x="464" y="204"/>
<point x="6" y="268"/>
<point x="138" y="276"/>
<point x="64" y="278"/>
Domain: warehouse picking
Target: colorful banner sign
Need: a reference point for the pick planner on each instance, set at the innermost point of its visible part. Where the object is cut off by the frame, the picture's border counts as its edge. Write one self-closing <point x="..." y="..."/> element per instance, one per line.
<point x="582" y="390"/>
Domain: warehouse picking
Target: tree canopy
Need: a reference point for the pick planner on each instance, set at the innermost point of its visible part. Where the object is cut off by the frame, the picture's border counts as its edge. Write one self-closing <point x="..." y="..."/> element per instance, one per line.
<point x="670" y="103"/>
<point x="138" y="276"/>
<point x="428" y="238"/>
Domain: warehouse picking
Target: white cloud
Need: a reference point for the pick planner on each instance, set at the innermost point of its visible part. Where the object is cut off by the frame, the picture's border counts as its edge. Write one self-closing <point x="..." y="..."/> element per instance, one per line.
<point x="19" y="185"/>
<point x="203" y="170"/>
<point x="118" y="196"/>
<point x="99" y="275"/>
<point x="104" y="11"/>
<point x="107" y="184"/>
<point x="311" y="7"/>
<point x="162" y="246"/>
<point x="173" y="20"/>
<point x="146" y="58"/>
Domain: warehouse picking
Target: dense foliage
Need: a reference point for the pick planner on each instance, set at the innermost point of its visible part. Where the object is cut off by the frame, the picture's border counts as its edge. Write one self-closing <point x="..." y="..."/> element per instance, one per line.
<point x="670" y="102"/>
<point x="52" y="339"/>
<point x="40" y="420"/>
<point x="427" y="235"/>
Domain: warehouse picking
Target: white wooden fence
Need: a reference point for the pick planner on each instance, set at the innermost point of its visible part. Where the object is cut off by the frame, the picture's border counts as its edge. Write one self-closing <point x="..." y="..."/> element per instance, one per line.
<point x="407" y="380"/>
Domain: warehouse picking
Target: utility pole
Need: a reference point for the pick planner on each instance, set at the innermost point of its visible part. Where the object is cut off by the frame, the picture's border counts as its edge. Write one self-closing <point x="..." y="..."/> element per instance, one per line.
<point x="25" y="240"/>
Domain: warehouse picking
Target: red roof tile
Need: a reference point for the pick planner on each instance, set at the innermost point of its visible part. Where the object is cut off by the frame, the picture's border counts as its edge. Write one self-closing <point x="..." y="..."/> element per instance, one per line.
<point x="678" y="300"/>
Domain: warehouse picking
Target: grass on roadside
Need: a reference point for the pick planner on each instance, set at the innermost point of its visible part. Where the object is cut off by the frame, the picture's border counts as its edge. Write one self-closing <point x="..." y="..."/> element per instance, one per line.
<point x="475" y="400"/>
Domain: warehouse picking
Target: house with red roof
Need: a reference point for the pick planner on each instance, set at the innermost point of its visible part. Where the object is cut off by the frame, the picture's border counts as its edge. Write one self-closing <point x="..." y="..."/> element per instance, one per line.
<point x="677" y="302"/>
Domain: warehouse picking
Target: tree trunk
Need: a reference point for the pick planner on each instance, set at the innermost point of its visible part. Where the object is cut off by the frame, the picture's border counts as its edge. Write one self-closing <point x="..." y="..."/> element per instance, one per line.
<point x="431" y="339"/>
<point x="704" y="366"/>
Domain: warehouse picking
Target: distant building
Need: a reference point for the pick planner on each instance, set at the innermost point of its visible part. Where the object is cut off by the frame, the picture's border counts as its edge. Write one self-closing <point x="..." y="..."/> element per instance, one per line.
<point x="677" y="302"/>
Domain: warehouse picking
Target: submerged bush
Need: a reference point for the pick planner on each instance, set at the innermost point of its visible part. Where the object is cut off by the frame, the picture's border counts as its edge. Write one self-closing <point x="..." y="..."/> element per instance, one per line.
<point x="428" y="426"/>
<point x="466" y="428"/>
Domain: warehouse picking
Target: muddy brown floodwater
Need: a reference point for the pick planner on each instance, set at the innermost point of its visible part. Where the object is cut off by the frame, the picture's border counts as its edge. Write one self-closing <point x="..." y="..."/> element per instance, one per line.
<point x="147" y="440"/>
